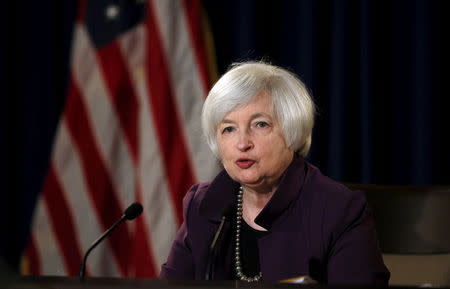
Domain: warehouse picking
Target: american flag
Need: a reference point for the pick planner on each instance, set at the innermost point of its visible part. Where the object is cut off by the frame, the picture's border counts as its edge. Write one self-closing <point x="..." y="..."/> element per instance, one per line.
<point x="130" y="131"/>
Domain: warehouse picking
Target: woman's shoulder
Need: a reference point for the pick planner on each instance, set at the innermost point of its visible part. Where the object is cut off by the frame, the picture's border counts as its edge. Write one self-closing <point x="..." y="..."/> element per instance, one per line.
<point x="332" y="200"/>
<point x="195" y="194"/>
<point x="328" y="189"/>
<point x="209" y="199"/>
<point x="334" y="204"/>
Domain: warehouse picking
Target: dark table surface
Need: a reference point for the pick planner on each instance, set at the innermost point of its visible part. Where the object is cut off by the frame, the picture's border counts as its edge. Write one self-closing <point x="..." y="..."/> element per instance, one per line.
<point x="54" y="282"/>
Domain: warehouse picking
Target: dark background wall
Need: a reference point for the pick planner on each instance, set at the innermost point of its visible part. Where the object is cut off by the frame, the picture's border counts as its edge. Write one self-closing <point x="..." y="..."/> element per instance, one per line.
<point x="375" y="69"/>
<point x="34" y="58"/>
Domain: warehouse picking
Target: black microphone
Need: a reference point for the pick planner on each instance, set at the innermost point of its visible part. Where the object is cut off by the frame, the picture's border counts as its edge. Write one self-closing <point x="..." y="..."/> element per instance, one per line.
<point x="133" y="211"/>
<point x="226" y="215"/>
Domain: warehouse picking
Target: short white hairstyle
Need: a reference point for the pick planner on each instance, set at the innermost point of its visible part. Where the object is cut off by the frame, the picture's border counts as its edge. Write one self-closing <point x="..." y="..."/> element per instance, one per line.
<point x="292" y="105"/>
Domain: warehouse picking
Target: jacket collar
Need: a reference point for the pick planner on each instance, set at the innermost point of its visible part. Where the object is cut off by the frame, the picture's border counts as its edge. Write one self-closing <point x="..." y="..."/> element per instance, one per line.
<point x="220" y="194"/>
<point x="223" y="190"/>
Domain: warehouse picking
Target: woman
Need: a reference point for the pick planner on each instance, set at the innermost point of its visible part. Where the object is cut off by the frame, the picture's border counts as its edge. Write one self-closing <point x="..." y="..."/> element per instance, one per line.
<point x="289" y="219"/>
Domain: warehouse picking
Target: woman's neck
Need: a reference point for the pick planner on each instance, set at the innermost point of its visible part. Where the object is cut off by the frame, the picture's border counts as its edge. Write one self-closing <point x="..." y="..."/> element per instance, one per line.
<point x="253" y="203"/>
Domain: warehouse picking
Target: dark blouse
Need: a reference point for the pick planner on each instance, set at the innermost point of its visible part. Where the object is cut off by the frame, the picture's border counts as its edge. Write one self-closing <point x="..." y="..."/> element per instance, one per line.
<point x="249" y="249"/>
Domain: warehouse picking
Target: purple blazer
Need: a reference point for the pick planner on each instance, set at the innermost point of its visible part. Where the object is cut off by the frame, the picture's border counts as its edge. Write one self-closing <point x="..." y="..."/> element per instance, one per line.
<point x="317" y="227"/>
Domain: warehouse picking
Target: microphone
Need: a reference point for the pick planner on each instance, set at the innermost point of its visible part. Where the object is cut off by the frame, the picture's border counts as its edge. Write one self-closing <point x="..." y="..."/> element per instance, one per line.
<point x="227" y="214"/>
<point x="133" y="211"/>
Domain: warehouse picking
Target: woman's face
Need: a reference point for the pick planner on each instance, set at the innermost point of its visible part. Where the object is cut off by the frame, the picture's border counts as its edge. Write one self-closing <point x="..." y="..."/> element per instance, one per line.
<point x="252" y="146"/>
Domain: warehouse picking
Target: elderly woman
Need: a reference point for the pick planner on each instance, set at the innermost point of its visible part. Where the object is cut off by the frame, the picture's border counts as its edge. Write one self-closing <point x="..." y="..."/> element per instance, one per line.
<point x="289" y="219"/>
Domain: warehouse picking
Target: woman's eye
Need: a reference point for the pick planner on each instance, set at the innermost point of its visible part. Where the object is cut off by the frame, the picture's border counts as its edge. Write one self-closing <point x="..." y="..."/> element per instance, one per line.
<point x="227" y="129"/>
<point x="262" y="124"/>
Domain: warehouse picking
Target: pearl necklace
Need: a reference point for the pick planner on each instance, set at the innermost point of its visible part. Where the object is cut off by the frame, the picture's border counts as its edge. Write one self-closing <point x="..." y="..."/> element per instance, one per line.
<point x="237" y="257"/>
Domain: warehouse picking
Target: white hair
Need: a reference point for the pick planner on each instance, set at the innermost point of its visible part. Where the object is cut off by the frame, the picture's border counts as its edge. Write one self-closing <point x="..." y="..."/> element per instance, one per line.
<point x="292" y="105"/>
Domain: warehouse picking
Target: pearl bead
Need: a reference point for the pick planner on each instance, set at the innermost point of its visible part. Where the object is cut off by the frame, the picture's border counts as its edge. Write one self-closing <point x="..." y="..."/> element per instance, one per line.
<point x="237" y="262"/>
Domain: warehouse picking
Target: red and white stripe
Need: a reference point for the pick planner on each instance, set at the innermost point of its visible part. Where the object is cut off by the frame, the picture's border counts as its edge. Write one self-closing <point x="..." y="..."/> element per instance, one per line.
<point x="130" y="131"/>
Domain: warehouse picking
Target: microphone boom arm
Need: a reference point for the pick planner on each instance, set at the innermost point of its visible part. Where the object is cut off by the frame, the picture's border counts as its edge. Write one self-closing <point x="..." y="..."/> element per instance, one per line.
<point x="96" y="242"/>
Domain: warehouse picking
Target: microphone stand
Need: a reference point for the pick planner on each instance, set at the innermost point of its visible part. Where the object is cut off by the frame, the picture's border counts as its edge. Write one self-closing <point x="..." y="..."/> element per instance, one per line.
<point x="133" y="211"/>
<point x="96" y="242"/>
<point x="209" y="274"/>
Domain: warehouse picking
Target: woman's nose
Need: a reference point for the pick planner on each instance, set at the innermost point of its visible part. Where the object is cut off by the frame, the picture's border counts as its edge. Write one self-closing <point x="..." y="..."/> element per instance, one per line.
<point x="245" y="143"/>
